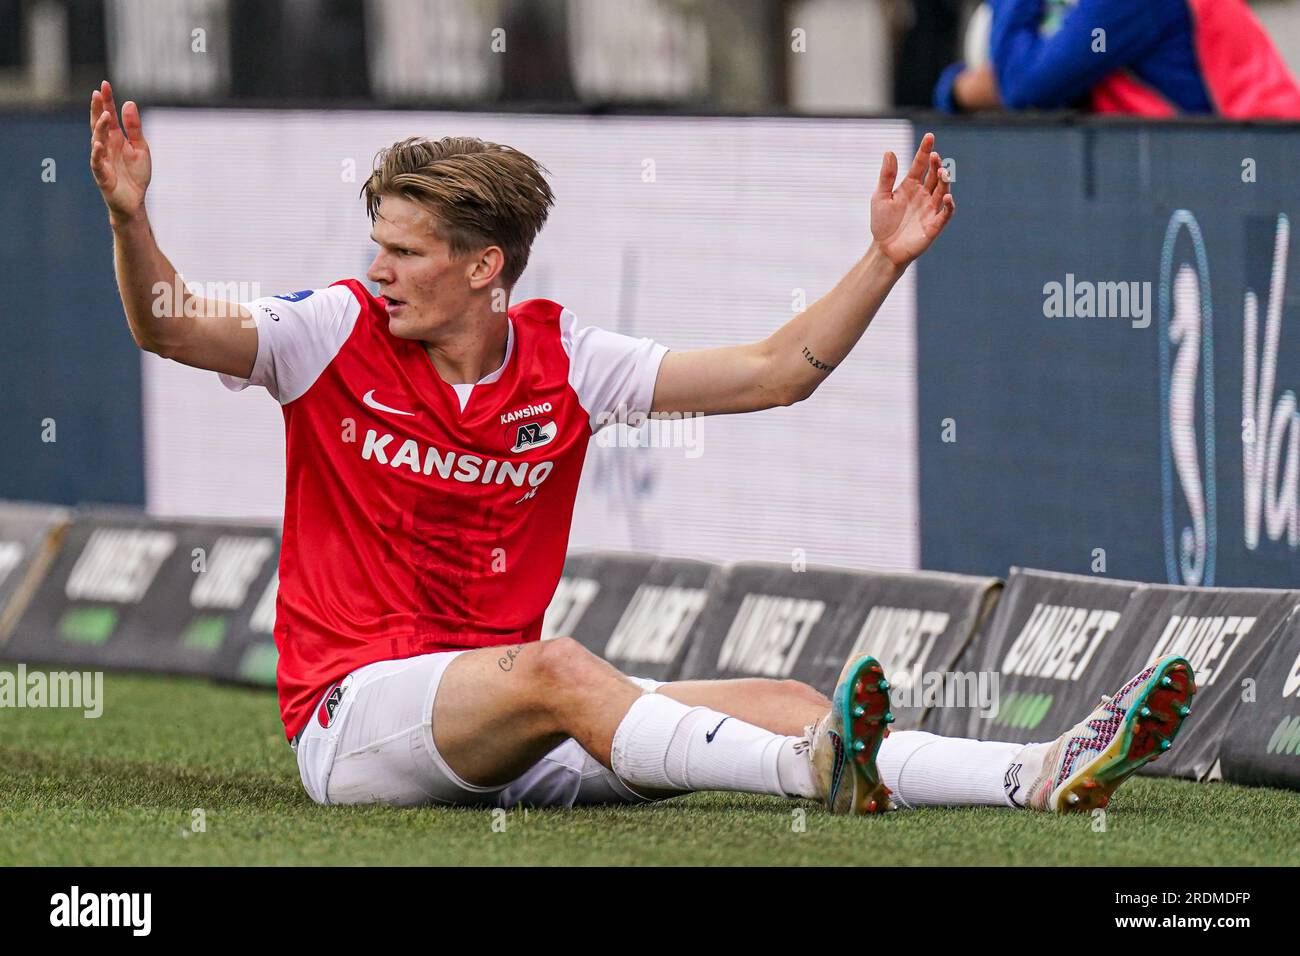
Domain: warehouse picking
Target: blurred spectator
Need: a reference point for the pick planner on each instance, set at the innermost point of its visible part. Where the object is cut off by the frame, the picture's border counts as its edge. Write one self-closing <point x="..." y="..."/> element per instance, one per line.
<point x="1140" y="57"/>
<point x="541" y="28"/>
<point x="927" y="35"/>
<point x="435" y="49"/>
<point x="638" y="51"/>
<point x="298" y="49"/>
<point x="176" y="48"/>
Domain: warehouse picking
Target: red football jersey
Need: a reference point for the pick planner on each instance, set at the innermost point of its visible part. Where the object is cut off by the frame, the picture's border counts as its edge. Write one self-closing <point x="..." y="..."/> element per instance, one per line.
<point x="421" y="516"/>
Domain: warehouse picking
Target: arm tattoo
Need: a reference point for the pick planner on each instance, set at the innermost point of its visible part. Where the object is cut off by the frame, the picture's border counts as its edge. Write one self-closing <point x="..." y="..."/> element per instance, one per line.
<point x="813" y="361"/>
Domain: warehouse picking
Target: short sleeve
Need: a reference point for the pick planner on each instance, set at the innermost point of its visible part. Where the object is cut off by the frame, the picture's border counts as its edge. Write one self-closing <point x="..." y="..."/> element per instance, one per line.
<point x="613" y="374"/>
<point x="298" y="335"/>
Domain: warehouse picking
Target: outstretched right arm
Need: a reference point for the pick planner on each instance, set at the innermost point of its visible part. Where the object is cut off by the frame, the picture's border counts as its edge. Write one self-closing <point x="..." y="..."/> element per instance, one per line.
<point x="205" y="333"/>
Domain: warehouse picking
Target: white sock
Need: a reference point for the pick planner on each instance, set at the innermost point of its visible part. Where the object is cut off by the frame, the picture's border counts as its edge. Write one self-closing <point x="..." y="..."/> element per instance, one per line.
<point x="662" y="744"/>
<point x="794" y="767"/>
<point x="925" y="770"/>
<point x="1023" y="770"/>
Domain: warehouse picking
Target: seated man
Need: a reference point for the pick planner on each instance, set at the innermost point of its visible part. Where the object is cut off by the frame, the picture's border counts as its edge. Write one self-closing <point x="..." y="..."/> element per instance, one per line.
<point x="435" y="437"/>
<point x="1152" y="58"/>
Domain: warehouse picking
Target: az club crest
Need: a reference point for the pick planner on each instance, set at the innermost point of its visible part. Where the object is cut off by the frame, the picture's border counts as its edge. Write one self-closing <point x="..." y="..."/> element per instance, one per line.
<point x="533" y="435"/>
<point x="333" y="700"/>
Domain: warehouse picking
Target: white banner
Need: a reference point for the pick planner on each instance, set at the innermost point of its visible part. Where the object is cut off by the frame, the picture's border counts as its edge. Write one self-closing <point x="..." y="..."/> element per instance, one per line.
<point x="697" y="232"/>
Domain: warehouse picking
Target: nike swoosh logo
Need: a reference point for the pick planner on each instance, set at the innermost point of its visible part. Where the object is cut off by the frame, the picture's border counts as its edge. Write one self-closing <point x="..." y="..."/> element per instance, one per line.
<point x="708" y="738"/>
<point x="837" y="769"/>
<point x="369" y="399"/>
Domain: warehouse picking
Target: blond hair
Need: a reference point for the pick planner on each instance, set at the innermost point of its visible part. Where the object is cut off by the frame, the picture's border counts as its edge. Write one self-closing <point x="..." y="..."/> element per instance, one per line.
<point x="479" y="193"/>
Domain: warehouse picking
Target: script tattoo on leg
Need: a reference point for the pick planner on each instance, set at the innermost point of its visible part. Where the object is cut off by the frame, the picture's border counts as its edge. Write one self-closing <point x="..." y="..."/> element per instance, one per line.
<point x="815" y="363"/>
<point x="508" y="662"/>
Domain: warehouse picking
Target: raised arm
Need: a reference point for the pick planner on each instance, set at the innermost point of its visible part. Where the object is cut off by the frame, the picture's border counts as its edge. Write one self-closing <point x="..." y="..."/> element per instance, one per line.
<point x="788" y="365"/>
<point x="206" y="333"/>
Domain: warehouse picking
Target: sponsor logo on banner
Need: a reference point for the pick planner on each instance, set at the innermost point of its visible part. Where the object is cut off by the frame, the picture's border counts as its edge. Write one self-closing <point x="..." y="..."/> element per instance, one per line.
<point x="1270" y="430"/>
<point x="901" y="639"/>
<point x="118" y="564"/>
<point x="1208" y="643"/>
<point x="768" y="633"/>
<point x="570" y="601"/>
<point x="1024" y="711"/>
<point x="1270" y="421"/>
<point x="260" y="658"/>
<point x="1058" y="641"/>
<point x="1186" y="322"/>
<point x="656" y="623"/>
<point x="1285" y="738"/>
<point x="263" y="616"/>
<point x="1291" y="688"/>
<point x="232" y="567"/>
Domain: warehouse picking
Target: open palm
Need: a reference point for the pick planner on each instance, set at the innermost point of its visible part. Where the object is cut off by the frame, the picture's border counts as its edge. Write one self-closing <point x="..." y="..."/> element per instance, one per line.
<point x="906" y="218"/>
<point x="119" y="156"/>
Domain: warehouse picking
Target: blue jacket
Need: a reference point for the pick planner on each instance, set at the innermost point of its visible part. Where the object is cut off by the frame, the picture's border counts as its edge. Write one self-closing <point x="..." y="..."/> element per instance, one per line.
<point x="1057" y="63"/>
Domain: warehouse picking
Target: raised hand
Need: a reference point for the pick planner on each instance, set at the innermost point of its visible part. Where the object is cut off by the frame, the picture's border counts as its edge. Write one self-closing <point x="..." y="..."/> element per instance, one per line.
<point x="906" y="219"/>
<point x="119" y="160"/>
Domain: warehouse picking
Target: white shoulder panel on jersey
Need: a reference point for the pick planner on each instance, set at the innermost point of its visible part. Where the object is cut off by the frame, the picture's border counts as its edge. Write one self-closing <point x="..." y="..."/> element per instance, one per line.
<point x="613" y="374"/>
<point x="297" y="337"/>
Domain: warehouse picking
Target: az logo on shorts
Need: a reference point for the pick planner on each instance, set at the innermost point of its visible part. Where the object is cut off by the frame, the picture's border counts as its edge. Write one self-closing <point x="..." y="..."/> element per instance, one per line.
<point x="333" y="699"/>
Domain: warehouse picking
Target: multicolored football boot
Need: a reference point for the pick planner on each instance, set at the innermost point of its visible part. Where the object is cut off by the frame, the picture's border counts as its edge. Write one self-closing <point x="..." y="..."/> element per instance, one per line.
<point x="846" y="740"/>
<point x="1086" y="764"/>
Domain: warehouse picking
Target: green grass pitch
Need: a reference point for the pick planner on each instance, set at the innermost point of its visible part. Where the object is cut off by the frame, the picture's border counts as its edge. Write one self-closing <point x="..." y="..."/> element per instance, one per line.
<point x="120" y="790"/>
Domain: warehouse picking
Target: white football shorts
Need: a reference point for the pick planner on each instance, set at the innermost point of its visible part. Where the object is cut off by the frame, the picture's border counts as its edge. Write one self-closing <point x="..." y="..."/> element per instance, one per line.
<point x="378" y="748"/>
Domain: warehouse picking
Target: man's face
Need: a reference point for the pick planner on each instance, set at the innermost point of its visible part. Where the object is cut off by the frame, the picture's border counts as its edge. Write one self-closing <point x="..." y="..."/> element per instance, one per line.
<point x="423" y="287"/>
